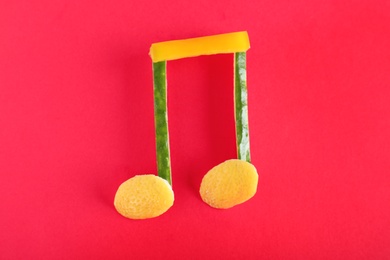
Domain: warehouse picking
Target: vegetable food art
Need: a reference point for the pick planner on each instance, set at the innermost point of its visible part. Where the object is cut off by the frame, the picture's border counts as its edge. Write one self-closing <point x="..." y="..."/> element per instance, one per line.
<point x="225" y="185"/>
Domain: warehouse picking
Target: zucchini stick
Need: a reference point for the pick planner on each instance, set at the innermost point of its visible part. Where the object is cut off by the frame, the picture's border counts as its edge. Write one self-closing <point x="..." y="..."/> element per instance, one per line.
<point x="241" y="107"/>
<point x="161" y="120"/>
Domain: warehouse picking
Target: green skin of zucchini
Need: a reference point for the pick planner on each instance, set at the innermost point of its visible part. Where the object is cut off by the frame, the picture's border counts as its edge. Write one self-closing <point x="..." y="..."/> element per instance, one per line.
<point x="161" y="120"/>
<point x="241" y="107"/>
<point x="161" y="117"/>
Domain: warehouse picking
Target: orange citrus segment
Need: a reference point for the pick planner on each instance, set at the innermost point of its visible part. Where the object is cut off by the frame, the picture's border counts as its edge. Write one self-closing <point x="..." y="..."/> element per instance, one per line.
<point x="143" y="196"/>
<point x="229" y="183"/>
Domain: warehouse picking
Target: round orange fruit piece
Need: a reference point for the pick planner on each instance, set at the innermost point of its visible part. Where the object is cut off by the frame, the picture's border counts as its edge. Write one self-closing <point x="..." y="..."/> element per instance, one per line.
<point x="229" y="183"/>
<point x="143" y="196"/>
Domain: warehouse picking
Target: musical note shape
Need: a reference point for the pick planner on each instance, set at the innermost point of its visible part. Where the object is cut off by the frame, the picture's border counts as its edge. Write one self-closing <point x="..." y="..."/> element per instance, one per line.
<point x="226" y="185"/>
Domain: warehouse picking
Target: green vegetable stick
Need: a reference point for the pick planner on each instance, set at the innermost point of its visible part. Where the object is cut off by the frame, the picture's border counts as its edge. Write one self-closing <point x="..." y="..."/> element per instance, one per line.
<point x="161" y="120"/>
<point x="241" y="107"/>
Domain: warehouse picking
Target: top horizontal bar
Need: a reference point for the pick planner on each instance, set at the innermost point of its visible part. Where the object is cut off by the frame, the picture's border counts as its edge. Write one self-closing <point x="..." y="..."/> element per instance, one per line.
<point x="207" y="45"/>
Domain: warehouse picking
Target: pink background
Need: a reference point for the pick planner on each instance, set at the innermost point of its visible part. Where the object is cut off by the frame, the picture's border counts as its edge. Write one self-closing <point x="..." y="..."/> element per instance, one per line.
<point x="76" y="120"/>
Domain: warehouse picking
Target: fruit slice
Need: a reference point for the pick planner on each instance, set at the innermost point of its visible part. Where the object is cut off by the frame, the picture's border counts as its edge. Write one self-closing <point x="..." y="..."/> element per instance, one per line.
<point x="207" y="45"/>
<point x="229" y="183"/>
<point x="143" y="196"/>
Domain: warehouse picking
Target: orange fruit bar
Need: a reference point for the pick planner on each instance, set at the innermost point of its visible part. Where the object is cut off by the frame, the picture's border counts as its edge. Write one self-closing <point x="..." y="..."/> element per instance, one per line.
<point x="206" y="45"/>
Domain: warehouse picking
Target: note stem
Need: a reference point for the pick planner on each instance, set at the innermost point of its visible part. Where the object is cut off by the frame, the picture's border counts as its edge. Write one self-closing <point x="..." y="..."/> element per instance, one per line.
<point x="161" y="120"/>
<point x="241" y="106"/>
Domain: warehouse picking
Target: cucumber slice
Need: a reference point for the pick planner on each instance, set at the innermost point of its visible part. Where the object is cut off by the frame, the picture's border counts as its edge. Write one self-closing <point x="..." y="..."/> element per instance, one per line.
<point x="161" y="120"/>
<point x="241" y="107"/>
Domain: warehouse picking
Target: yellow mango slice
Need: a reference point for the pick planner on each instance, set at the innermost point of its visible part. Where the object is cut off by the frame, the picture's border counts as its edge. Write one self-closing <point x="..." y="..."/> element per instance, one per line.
<point x="143" y="196"/>
<point x="229" y="183"/>
<point x="206" y="45"/>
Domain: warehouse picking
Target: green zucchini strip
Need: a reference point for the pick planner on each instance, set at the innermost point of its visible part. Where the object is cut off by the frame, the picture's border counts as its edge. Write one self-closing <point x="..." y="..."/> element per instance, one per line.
<point x="241" y="107"/>
<point x="161" y="120"/>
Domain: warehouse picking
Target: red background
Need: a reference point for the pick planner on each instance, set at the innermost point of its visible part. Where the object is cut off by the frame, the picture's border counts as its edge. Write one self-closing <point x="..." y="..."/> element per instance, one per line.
<point x="76" y="120"/>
